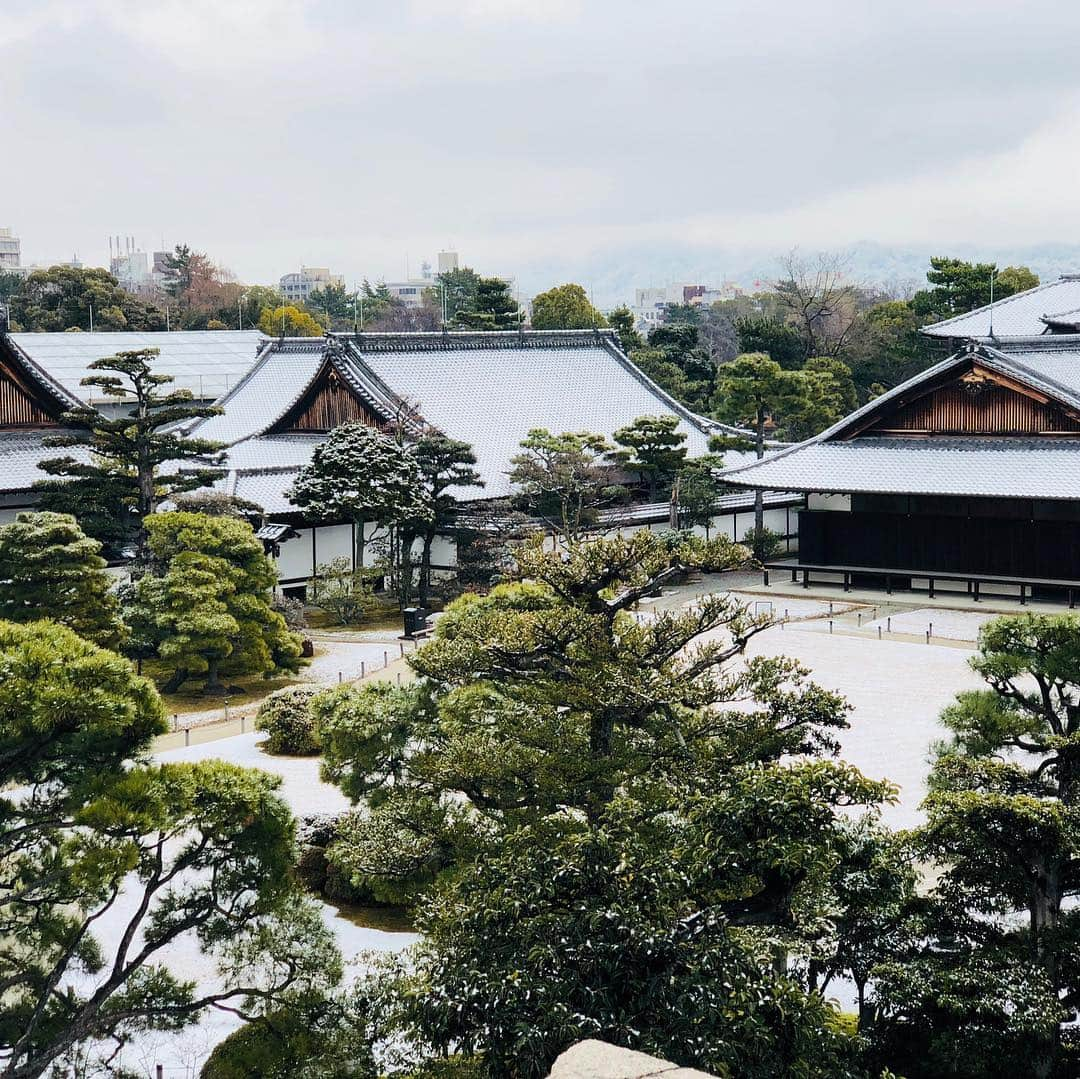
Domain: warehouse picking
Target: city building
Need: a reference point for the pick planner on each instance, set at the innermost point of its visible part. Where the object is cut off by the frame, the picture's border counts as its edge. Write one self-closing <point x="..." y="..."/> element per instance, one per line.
<point x="10" y="251"/>
<point x="410" y="292"/>
<point x="447" y="261"/>
<point x="298" y="287"/>
<point x="650" y="304"/>
<point x="965" y="477"/>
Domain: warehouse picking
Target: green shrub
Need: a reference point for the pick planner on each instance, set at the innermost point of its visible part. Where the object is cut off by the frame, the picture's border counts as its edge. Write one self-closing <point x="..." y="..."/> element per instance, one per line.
<point x="764" y="542"/>
<point x="315" y="1039"/>
<point x="286" y="716"/>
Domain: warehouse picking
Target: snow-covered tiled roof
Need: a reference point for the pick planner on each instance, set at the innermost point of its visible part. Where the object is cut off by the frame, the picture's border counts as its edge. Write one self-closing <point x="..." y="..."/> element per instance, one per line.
<point x="269" y="387"/>
<point x="207" y="362"/>
<point x="491" y="397"/>
<point x="1022" y="314"/>
<point x="994" y="467"/>
<point x="973" y="467"/>
<point x="20" y="452"/>
<point x="487" y="389"/>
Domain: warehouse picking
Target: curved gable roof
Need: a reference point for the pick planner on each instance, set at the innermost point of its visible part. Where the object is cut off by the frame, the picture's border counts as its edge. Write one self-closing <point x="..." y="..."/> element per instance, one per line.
<point x="1022" y="314"/>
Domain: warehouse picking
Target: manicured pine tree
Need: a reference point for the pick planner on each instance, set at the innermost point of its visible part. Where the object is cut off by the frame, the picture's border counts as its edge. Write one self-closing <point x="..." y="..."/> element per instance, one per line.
<point x="653" y="447"/>
<point x="754" y="389"/>
<point x="109" y="858"/>
<point x="206" y="604"/>
<point x="134" y="459"/>
<point x="444" y="463"/>
<point x="992" y="979"/>
<point x="49" y="568"/>
<point x="361" y="475"/>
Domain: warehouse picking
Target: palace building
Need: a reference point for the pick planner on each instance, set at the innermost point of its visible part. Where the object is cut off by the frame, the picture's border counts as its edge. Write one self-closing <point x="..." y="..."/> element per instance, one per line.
<point x="966" y="476"/>
<point x="487" y="389"/>
<point x="281" y="397"/>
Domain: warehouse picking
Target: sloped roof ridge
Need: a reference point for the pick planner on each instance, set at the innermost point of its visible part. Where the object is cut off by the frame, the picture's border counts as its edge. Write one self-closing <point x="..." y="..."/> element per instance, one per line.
<point x="989" y="356"/>
<point x="860" y="413"/>
<point x="702" y="423"/>
<point x="997" y="304"/>
<point x="1042" y="342"/>
<point x="1009" y="365"/>
<point x="348" y="361"/>
<point x="447" y="340"/>
<point x="272" y="347"/>
<point x="38" y="373"/>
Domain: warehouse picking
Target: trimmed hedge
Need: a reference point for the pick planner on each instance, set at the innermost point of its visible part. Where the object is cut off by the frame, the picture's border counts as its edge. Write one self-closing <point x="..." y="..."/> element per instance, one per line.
<point x="286" y="716"/>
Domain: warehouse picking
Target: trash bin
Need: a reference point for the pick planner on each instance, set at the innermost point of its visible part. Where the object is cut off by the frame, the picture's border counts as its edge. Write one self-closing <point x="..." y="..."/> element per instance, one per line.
<point x="415" y="621"/>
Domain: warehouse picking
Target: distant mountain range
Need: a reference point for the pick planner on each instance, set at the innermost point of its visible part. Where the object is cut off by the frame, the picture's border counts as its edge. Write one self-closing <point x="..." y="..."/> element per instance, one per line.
<point x="612" y="276"/>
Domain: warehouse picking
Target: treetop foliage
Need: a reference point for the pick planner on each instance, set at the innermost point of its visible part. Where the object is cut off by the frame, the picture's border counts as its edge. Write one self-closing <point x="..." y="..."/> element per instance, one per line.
<point x="50" y="569"/>
<point x="565" y="307"/>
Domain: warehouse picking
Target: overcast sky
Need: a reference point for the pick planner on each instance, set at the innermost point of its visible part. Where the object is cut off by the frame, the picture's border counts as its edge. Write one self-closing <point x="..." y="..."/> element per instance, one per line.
<point x="527" y="132"/>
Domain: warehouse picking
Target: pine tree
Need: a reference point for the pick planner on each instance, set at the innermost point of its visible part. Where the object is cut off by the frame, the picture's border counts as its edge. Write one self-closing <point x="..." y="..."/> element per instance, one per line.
<point x="653" y="447"/>
<point x="206" y="604"/>
<point x="361" y="475"/>
<point x="444" y="463"/>
<point x="120" y="481"/>
<point x="493" y="307"/>
<point x="49" y="568"/>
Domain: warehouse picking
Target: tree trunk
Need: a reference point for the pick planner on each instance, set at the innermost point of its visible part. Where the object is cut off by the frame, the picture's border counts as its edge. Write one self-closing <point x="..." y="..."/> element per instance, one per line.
<point x="425" y="567"/>
<point x="358" y="553"/>
<point x="176" y="680"/>
<point x="213" y="685"/>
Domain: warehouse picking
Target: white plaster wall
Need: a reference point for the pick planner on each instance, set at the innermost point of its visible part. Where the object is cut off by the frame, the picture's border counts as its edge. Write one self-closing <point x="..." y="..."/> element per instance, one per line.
<point x="816" y="501"/>
<point x="333" y="541"/>
<point x="294" y="562"/>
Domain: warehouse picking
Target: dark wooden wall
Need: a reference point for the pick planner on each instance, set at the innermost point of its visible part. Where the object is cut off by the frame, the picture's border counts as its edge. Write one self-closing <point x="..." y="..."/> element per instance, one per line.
<point x="18" y="407"/>
<point x="993" y="410"/>
<point x="1010" y="548"/>
<point x="329" y="405"/>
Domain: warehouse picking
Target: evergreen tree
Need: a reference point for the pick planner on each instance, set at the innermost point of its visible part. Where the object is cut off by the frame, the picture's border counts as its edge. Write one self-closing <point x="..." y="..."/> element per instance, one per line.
<point x="755" y="389"/>
<point x="697" y="490"/>
<point x="622" y="319"/>
<point x="992" y="979"/>
<point x="445" y="463"/>
<point x="492" y="307"/>
<point x="119" y="480"/>
<point x="207" y="602"/>
<point x="96" y="834"/>
<point x="50" y="569"/>
<point x="565" y="307"/>
<point x="70" y="298"/>
<point x="456" y="291"/>
<point x="604" y="814"/>
<point x="361" y="475"/>
<point x="653" y="447"/>
<point x="564" y="479"/>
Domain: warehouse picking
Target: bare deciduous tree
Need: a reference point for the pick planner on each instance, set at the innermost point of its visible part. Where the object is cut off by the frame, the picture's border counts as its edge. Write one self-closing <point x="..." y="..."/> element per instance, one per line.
<point x="820" y="297"/>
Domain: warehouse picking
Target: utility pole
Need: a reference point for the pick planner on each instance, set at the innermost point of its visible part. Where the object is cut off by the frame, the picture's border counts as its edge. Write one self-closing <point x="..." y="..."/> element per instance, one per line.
<point x="91" y="304"/>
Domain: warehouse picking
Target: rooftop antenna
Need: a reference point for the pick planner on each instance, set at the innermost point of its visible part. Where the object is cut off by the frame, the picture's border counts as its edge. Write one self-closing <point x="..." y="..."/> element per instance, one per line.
<point x="992" y="268"/>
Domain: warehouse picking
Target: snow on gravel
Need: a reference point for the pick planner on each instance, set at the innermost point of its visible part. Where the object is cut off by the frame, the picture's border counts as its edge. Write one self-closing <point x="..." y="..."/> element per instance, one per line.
<point x="953" y="625"/>
<point x="896" y="689"/>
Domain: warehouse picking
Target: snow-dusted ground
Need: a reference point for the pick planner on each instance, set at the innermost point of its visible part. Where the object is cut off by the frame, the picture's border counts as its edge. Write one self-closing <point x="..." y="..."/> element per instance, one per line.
<point x="953" y="625"/>
<point x="897" y="690"/>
